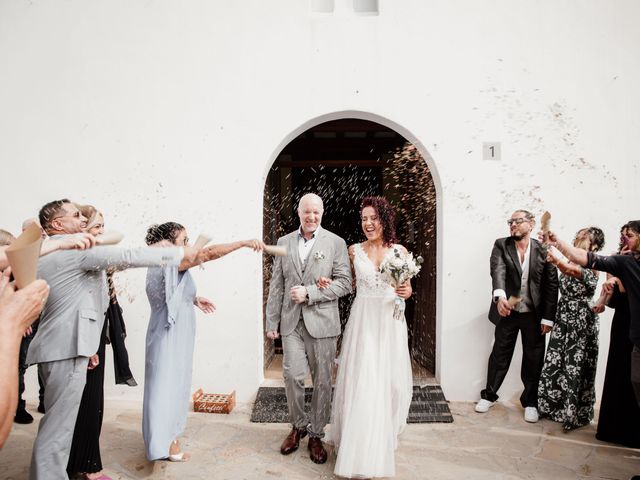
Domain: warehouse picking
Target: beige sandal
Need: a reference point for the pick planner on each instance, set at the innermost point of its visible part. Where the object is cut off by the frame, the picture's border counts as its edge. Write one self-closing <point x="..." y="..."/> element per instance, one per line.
<point x="178" y="457"/>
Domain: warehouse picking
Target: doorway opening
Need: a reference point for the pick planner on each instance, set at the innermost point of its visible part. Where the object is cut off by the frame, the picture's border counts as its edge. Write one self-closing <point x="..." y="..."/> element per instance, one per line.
<point x="344" y="161"/>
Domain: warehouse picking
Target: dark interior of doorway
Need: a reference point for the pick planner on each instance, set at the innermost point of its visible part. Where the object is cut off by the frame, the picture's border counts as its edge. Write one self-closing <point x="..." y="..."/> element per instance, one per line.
<point x="344" y="161"/>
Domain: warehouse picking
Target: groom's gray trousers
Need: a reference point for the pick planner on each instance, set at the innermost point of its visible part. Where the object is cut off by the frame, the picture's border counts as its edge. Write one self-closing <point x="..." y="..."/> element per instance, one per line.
<point x="303" y="354"/>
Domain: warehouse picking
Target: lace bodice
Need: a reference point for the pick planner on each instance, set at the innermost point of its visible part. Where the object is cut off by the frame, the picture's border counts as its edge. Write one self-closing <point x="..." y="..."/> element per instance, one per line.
<point x="368" y="280"/>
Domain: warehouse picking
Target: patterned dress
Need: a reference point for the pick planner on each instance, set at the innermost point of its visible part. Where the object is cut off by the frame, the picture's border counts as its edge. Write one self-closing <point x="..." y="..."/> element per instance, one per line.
<point x="566" y="392"/>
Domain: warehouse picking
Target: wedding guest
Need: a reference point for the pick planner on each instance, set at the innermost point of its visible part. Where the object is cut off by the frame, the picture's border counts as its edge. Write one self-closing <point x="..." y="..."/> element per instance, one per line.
<point x="625" y="267"/>
<point x="374" y="384"/>
<point x="6" y="238"/>
<point x="78" y="241"/>
<point x="170" y="339"/>
<point x="84" y="458"/>
<point x="308" y="319"/>
<point x="619" y="419"/>
<point x="22" y="416"/>
<point x="525" y="295"/>
<point x="567" y="390"/>
<point x="18" y="309"/>
<point x="71" y="324"/>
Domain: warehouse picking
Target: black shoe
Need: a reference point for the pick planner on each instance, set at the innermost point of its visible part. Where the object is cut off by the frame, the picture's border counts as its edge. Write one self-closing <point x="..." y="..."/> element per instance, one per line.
<point x="41" y="407"/>
<point x="22" y="416"/>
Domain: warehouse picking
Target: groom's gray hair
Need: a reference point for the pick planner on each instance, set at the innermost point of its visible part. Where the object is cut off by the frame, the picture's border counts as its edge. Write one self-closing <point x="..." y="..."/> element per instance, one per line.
<point x="310" y="196"/>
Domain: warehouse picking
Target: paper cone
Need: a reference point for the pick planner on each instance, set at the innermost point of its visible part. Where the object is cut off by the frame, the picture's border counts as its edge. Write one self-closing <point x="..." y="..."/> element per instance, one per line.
<point x="109" y="238"/>
<point x="545" y="220"/>
<point x="23" y="255"/>
<point x="275" y="250"/>
<point x="202" y="241"/>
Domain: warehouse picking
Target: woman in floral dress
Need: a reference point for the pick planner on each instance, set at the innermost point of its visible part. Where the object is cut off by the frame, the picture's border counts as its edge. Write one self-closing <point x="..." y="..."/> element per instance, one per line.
<point x="566" y="392"/>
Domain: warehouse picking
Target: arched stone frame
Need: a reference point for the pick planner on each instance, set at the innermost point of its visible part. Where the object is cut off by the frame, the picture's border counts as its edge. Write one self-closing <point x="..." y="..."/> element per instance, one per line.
<point x="407" y="134"/>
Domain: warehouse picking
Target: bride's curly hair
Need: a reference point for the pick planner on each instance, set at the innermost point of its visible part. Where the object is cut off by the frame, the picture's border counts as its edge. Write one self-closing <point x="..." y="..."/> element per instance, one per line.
<point x="387" y="216"/>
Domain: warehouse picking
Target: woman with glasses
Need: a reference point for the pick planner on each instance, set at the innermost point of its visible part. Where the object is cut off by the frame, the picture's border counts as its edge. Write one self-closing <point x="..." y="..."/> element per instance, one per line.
<point x="170" y="340"/>
<point x="619" y="419"/>
<point x="85" y="458"/>
<point x="566" y="392"/>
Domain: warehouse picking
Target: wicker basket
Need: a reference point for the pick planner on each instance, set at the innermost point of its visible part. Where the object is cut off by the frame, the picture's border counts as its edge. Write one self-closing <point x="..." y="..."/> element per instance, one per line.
<point x="213" y="402"/>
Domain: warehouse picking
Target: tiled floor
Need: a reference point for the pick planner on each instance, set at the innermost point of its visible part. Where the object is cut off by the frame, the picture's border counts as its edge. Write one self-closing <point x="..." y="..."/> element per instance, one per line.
<point x="495" y="445"/>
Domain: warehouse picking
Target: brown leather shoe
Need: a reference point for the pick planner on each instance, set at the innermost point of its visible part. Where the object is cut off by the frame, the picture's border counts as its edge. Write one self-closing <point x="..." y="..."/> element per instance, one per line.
<point x="292" y="441"/>
<point x="317" y="453"/>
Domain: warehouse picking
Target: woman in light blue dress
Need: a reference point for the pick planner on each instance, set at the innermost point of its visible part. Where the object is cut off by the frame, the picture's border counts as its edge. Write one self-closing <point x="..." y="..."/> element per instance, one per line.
<point x="170" y="340"/>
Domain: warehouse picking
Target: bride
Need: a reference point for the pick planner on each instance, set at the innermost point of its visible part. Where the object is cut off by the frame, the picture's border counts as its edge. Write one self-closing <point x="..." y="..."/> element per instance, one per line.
<point x="374" y="384"/>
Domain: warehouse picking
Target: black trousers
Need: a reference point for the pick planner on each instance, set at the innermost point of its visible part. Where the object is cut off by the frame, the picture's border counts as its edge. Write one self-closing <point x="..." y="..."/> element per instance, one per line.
<point x="22" y="368"/>
<point x="84" y="456"/>
<point x="635" y="371"/>
<point x="504" y="344"/>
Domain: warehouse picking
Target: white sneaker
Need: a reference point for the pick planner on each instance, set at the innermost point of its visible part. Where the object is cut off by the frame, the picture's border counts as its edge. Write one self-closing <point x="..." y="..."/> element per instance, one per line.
<point x="484" y="405"/>
<point x="531" y="414"/>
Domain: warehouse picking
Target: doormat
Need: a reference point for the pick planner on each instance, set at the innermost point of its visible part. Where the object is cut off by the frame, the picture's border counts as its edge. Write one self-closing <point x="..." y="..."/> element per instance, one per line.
<point x="428" y="405"/>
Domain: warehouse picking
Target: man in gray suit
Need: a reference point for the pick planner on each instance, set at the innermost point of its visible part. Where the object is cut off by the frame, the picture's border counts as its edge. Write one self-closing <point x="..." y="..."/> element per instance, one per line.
<point x="309" y="319"/>
<point x="70" y="326"/>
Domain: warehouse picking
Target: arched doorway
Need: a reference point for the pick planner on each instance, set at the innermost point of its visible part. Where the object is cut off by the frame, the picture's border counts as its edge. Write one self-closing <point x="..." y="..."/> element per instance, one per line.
<point x="343" y="161"/>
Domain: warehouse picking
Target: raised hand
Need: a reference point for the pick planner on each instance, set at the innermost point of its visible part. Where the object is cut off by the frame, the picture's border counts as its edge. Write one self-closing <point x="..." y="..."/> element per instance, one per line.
<point x="23" y="306"/>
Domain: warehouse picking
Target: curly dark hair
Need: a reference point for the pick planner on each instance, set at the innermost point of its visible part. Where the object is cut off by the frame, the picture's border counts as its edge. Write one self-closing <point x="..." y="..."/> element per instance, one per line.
<point x="387" y="215"/>
<point x="165" y="231"/>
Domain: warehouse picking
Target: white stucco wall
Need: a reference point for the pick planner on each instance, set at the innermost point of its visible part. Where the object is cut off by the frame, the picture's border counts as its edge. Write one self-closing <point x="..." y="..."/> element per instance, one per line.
<point x="162" y="110"/>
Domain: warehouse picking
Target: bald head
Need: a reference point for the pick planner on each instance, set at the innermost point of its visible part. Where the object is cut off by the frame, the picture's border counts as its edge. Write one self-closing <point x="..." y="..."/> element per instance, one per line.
<point x="310" y="210"/>
<point x="310" y="198"/>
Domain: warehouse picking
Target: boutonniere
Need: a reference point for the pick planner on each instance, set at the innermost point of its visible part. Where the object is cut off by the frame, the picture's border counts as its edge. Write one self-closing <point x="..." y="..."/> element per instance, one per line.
<point x="319" y="255"/>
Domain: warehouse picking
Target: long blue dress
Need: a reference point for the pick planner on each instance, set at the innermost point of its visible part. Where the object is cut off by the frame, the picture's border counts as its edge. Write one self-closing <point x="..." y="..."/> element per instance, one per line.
<point x="169" y="358"/>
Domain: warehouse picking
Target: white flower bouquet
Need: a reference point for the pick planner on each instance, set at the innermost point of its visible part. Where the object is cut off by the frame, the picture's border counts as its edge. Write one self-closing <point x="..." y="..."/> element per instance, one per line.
<point x="396" y="269"/>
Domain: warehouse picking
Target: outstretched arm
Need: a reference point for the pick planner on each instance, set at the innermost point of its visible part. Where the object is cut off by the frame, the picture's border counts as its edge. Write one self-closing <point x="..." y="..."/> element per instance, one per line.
<point x="214" y="252"/>
<point x="78" y="241"/>
<point x="576" y="255"/>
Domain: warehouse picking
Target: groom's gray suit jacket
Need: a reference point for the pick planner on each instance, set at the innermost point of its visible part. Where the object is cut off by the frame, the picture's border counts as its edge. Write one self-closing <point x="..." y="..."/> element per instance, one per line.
<point x="328" y="258"/>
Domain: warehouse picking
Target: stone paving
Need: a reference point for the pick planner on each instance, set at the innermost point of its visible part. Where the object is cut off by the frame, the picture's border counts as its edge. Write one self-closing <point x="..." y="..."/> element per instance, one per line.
<point x="495" y="445"/>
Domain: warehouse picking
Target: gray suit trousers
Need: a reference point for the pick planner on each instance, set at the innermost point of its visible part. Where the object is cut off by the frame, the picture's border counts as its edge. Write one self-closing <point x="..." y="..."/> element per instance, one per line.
<point x="64" y="383"/>
<point x="303" y="354"/>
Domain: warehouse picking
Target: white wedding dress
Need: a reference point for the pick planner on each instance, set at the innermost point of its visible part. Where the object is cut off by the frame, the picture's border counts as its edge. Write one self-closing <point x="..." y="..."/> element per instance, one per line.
<point x="374" y="384"/>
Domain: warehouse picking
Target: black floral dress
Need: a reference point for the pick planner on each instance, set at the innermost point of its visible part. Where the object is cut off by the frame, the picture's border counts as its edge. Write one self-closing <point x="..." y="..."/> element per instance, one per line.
<point x="566" y="392"/>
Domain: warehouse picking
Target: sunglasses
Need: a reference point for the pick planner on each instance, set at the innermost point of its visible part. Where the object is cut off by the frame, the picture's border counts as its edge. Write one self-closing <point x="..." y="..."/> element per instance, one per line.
<point x="517" y="221"/>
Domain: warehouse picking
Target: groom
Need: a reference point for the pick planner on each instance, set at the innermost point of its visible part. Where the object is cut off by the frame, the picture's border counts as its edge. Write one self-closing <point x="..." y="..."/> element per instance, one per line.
<point x="309" y="320"/>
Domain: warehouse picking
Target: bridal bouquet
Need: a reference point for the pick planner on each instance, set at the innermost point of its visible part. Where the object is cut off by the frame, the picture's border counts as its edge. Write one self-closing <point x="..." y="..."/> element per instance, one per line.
<point x="396" y="269"/>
